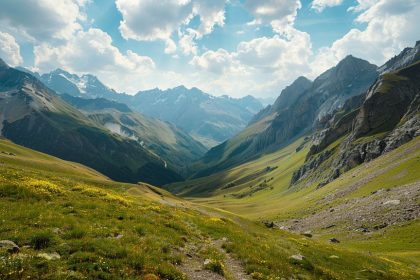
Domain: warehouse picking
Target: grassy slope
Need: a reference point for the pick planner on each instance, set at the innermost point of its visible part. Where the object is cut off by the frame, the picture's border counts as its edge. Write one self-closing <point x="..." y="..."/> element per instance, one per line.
<point x="398" y="243"/>
<point x="165" y="140"/>
<point x="229" y="152"/>
<point x="108" y="230"/>
<point x="243" y="177"/>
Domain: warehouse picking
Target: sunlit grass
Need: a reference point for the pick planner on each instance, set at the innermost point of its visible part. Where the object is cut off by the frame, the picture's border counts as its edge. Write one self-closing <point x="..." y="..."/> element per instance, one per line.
<point x="107" y="230"/>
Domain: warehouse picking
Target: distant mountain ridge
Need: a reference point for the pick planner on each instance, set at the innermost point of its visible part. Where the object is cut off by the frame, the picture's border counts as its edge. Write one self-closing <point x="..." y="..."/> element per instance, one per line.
<point x="95" y="104"/>
<point x="209" y="119"/>
<point x="87" y="86"/>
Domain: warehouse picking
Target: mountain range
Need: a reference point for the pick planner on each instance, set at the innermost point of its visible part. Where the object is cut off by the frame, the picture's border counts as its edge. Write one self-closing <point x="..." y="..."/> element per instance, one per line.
<point x="209" y="119"/>
<point x="107" y="137"/>
<point x="296" y="112"/>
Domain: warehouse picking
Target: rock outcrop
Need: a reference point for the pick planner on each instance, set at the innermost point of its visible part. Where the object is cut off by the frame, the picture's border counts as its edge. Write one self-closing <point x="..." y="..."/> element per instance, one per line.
<point x="388" y="118"/>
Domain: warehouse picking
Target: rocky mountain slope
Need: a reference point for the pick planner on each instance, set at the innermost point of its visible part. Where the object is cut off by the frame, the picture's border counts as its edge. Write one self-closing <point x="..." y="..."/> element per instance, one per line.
<point x="87" y="86"/>
<point x="387" y="118"/>
<point x="34" y="116"/>
<point x="405" y="58"/>
<point x="297" y="111"/>
<point x="172" y="144"/>
<point x="209" y="119"/>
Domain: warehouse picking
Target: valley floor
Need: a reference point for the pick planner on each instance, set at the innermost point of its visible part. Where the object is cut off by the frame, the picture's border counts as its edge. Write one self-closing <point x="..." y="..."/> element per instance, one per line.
<point x="61" y="220"/>
<point x="374" y="208"/>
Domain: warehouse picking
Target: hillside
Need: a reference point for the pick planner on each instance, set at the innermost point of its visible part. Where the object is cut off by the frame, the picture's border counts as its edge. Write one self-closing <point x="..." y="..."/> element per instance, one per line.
<point x="209" y="119"/>
<point x="296" y="111"/>
<point x="382" y="197"/>
<point x="138" y="231"/>
<point x="171" y="144"/>
<point x="34" y="116"/>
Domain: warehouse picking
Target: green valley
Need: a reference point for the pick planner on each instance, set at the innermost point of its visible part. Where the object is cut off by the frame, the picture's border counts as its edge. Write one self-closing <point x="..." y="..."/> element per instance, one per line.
<point x="260" y="190"/>
<point x="82" y="225"/>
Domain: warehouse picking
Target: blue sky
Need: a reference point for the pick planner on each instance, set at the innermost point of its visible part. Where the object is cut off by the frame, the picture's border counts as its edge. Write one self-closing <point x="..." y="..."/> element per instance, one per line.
<point x="233" y="47"/>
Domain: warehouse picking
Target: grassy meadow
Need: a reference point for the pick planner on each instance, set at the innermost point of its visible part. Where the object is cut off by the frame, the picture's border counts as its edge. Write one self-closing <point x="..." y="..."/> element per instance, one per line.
<point x="72" y="223"/>
<point x="279" y="201"/>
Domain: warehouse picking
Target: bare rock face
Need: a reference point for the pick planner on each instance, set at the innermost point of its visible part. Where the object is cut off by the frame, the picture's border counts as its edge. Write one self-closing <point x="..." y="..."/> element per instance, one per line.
<point x="388" y="118"/>
<point x="312" y="164"/>
<point x="405" y="58"/>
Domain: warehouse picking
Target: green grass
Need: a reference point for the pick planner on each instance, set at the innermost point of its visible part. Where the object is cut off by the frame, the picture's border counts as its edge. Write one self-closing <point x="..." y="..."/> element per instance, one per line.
<point x="108" y="230"/>
<point x="389" y="81"/>
<point x="280" y="202"/>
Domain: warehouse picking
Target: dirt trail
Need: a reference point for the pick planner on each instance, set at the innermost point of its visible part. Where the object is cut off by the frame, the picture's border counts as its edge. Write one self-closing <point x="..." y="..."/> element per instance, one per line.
<point x="234" y="266"/>
<point x="193" y="266"/>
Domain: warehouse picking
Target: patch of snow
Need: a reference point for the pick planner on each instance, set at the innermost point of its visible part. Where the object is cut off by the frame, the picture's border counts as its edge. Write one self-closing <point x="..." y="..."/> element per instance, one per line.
<point x="117" y="129"/>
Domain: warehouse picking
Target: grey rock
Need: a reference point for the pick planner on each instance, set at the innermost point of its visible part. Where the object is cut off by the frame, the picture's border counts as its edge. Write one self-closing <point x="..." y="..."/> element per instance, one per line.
<point x="307" y="233"/>
<point x="10" y="246"/>
<point x="392" y="202"/>
<point x="297" y="257"/>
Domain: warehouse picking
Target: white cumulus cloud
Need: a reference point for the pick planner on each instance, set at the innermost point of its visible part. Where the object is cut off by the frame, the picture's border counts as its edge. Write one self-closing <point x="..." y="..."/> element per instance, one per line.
<point x="320" y="5"/>
<point x="41" y="20"/>
<point x="148" y="20"/>
<point x="9" y="49"/>
<point x="280" y="14"/>
<point x="211" y="13"/>
<point x="92" y="51"/>
<point x="390" y="27"/>
<point x="217" y="62"/>
<point x="260" y="66"/>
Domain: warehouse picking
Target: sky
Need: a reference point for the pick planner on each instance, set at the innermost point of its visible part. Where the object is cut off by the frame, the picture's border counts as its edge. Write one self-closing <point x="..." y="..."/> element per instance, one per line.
<point x="233" y="47"/>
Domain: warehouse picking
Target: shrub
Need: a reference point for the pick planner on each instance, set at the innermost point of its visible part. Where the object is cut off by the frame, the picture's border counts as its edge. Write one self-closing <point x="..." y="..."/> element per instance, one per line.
<point x="75" y="234"/>
<point x="41" y="240"/>
<point x="140" y="231"/>
<point x="137" y="262"/>
<point x="215" y="266"/>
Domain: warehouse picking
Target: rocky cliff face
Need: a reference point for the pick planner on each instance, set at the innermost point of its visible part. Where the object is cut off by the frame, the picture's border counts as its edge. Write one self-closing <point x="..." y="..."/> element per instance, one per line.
<point x="405" y="58"/>
<point x="287" y="97"/>
<point x="388" y="117"/>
